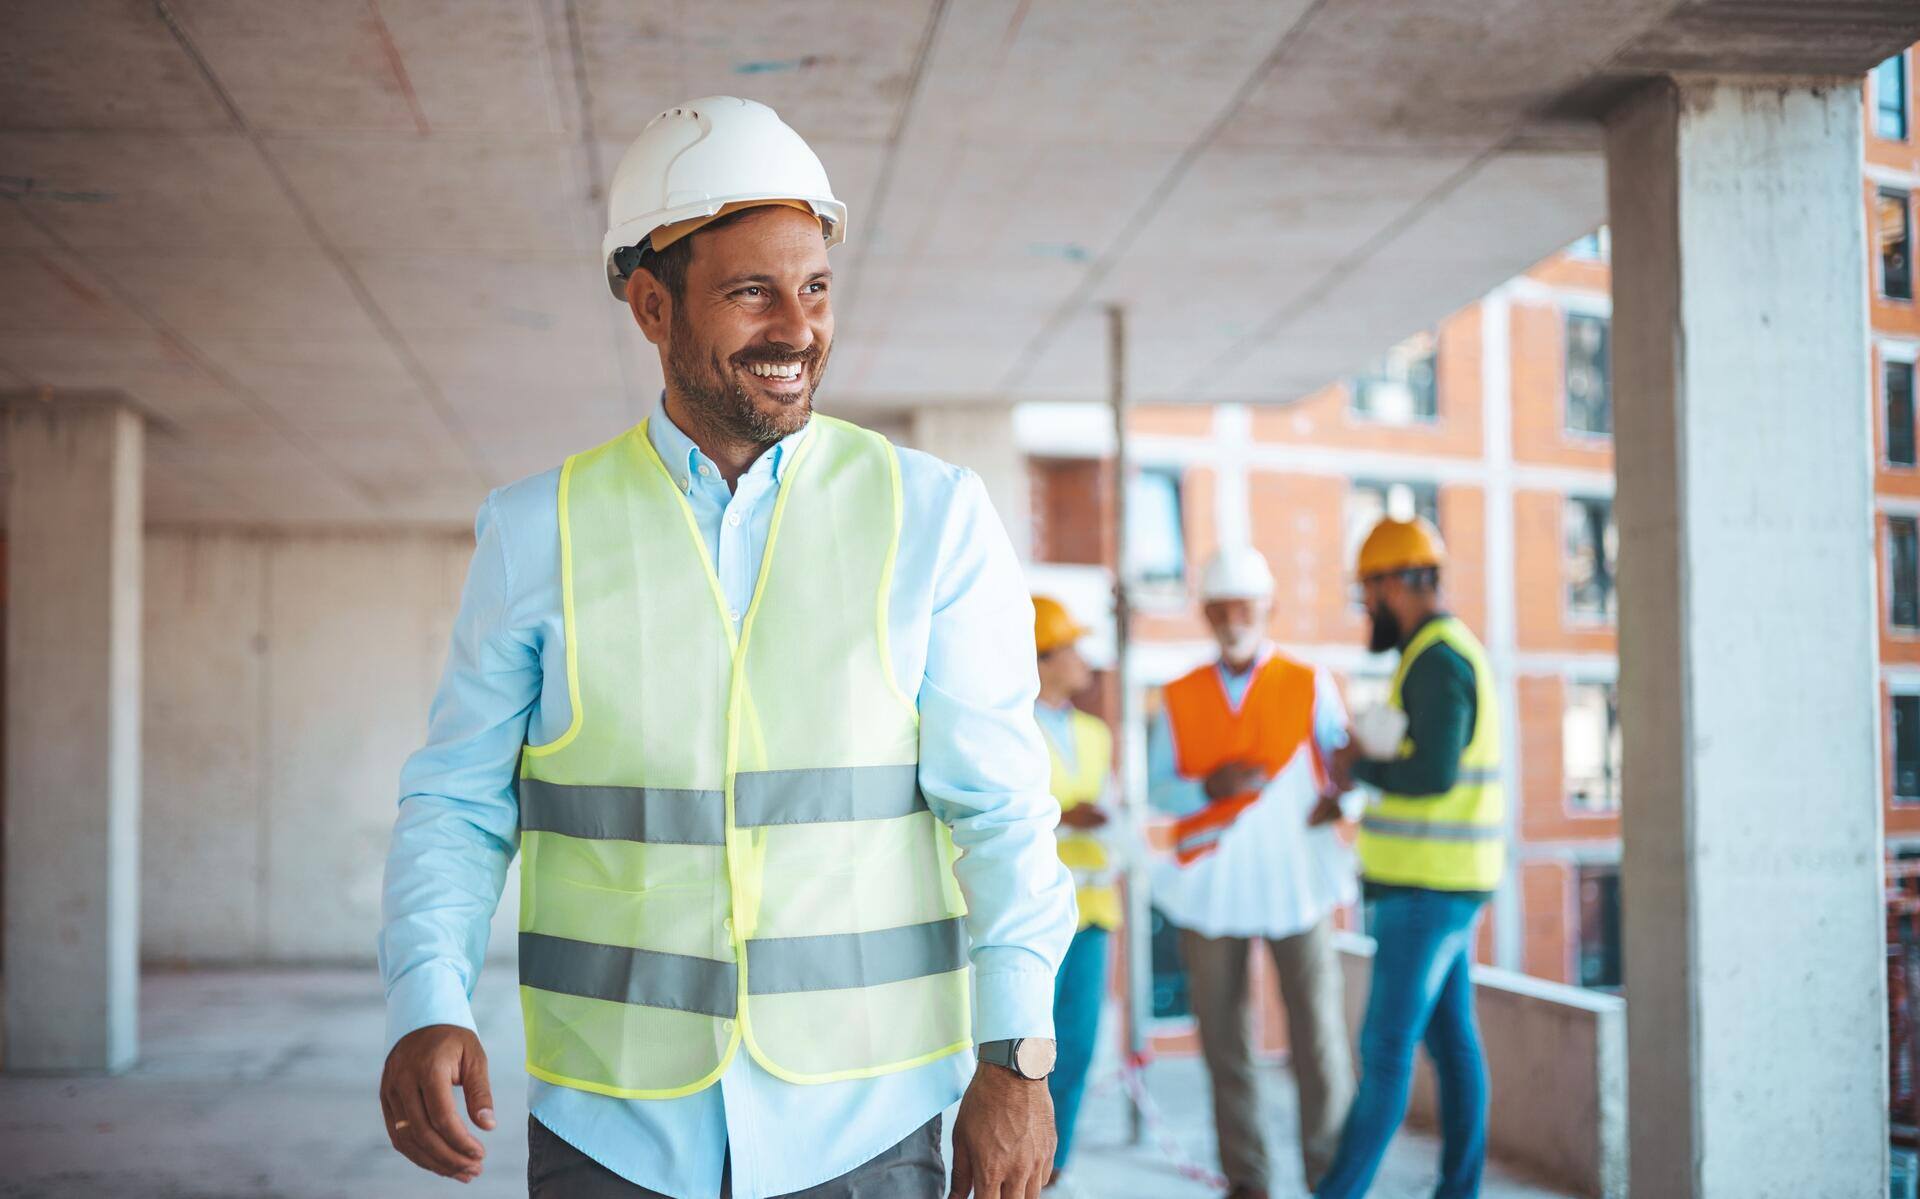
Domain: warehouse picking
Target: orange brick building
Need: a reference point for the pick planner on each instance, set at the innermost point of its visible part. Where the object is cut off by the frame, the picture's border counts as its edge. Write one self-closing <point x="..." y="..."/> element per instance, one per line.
<point x="1497" y="424"/>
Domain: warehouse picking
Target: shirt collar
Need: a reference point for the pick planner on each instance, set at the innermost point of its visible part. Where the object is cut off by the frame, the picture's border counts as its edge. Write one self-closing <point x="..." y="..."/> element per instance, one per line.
<point x="684" y="459"/>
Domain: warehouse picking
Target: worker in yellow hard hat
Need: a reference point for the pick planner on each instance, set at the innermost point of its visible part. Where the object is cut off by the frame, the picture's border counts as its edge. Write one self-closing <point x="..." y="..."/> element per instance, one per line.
<point x="1431" y="853"/>
<point x="1081" y="746"/>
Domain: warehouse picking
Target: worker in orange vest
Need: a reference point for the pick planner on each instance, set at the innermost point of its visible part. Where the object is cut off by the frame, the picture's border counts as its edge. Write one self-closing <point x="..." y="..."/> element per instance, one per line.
<point x="1240" y="758"/>
<point x="1081" y="746"/>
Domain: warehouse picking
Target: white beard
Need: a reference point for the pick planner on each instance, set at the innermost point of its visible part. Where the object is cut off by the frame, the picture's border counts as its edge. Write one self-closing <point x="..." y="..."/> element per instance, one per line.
<point x="1243" y="646"/>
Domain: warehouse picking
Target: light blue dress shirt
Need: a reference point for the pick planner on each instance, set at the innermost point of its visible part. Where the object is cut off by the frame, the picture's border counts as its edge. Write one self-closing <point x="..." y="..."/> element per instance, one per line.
<point x="961" y="626"/>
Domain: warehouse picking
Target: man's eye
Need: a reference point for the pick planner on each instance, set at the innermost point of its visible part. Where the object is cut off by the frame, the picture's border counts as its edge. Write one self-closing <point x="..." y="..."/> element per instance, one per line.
<point x="753" y="292"/>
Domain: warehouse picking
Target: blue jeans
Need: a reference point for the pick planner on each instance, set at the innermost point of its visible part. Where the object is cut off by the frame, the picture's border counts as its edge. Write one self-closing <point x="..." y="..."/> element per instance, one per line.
<point x="1421" y="991"/>
<point x="1078" y="992"/>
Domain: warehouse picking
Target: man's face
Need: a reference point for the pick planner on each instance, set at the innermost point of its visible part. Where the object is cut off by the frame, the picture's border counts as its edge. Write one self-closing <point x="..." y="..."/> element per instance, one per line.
<point x="749" y="340"/>
<point x="1063" y="671"/>
<point x="1238" y="626"/>
<point x="1384" y="627"/>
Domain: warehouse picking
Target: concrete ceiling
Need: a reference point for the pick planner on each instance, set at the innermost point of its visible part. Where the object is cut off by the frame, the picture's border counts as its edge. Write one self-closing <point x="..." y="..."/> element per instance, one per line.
<point x="345" y="253"/>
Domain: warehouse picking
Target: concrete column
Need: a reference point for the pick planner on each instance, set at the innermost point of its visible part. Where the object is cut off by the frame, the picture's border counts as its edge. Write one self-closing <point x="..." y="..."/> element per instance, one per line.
<point x="980" y="437"/>
<point x="1753" y="927"/>
<point x="72" y="734"/>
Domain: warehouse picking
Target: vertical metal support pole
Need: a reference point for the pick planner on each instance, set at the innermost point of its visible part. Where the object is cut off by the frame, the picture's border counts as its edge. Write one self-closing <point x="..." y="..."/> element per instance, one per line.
<point x="1130" y="734"/>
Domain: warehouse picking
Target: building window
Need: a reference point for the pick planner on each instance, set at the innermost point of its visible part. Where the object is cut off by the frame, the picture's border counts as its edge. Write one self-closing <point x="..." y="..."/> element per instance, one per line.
<point x="1589" y="390"/>
<point x="1893" y="225"/>
<point x="1903" y="569"/>
<point x="1906" y="750"/>
<point x="1600" y="964"/>
<point x="1369" y="500"/>
<point x="1156" y="535"/>
<point x="1591" y="248"/>
<point x="1401" y="388"/>
<point x="1896" y="388"/>
<point x="1590" y="747"/>
<point x="1170" y="997"/>
<point x="1592" y="548"/>
<point x="1890" y="98"/>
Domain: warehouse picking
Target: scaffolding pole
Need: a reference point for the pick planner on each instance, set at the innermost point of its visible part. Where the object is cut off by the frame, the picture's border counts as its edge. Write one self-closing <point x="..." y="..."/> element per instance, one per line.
<point x="1132" y="742"/>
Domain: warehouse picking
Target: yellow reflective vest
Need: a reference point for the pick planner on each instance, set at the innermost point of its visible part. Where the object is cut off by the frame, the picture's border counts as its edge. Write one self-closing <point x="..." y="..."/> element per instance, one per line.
<point x="1452" y="842"/>
<point x="1084" y="854"/>
<point x="729" y="845"/>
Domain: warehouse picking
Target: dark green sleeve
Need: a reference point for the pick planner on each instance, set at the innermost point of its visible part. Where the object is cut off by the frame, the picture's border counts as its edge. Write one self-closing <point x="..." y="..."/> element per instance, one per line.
<point x="1439" y="697"/>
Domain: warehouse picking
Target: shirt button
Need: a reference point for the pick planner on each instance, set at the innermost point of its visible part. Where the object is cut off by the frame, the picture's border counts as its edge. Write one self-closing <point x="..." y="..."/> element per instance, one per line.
<point x="733" y="518"/>
<point x="726" y="1025"/>
<point x="726" y="926"/>
<point x="705" y="470"/>
<point x="733" y="614"/>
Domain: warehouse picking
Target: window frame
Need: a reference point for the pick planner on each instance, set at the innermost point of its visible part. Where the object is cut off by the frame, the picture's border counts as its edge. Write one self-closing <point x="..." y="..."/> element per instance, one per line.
<point x="1883" y="191"/>
<point x="1874" y="109"/>
<point x="1582" y="871"/>
<point x="1912" y="521"/>
<point x="1418" y="420"/>
<point x="1897" y="690"/>
<point x="1611" y="683"/>
<point x="1159" y="592"/>
<point x="1897" y="354"/>
<point x="1568" y="315"/>
<point x="1571" y="616"/>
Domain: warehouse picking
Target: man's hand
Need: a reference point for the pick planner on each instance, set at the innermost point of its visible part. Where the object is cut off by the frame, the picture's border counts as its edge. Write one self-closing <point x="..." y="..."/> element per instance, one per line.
<point x="1083" y="816"/>
<point x="1341" y="765"/>
<point x="1325" y="812"/>
<point x="1003" y="1138"/>
<point x="416" y="1094"/>
<point x="1236" y="778"/>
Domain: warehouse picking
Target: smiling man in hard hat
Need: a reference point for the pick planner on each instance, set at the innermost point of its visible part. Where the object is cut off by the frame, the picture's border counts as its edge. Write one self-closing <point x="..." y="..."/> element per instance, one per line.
<point x="1239" y="756"/>
<point x="1081" y="746"/>
<point x="748" y="688"/>
<point x="1431" y="854"/>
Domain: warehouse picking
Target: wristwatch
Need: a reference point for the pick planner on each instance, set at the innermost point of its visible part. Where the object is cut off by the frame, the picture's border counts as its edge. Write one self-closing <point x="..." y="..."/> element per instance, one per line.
<point x="1029" y="1057"/>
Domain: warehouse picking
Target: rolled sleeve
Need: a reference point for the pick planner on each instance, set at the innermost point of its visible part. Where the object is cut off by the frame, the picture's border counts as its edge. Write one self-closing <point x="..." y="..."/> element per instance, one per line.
<point x="985" y="773"/>
<point x="457" y="828"/>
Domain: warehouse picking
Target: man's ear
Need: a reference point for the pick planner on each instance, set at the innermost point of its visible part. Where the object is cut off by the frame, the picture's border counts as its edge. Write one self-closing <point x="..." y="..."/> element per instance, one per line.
<point x="651" y="304"/>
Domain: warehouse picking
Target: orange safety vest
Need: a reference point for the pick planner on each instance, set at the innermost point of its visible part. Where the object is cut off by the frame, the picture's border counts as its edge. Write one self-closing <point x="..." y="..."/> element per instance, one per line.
<point x="1274" y="719"/>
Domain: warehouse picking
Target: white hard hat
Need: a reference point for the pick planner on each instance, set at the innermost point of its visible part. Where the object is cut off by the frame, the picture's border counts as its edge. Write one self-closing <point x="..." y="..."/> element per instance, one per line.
<point x="696" y="159"/>
<point x="1236" y="572"/>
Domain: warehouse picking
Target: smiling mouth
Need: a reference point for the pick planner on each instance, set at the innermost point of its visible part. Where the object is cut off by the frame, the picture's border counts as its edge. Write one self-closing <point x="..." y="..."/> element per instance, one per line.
<point x="778" y="372"/>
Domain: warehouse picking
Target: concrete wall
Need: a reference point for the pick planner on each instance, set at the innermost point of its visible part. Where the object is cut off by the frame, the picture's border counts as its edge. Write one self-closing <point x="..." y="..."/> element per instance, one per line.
<point x="287" y="678"/>
<point x="1556" y="1057"/>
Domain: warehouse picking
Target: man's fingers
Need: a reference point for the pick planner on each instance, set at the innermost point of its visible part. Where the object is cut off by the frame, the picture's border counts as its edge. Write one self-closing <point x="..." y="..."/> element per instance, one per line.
<point x="479" y="1093"/>
<point x="446" y="1119"/>
<point x="438" y="1156"/>
<point x="962" y="1172"/>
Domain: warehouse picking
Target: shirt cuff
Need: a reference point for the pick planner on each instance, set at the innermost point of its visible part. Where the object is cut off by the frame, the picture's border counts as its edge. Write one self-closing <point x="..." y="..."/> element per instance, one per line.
<point x="431" y="993"/>
<point x="1012" y="1001"/>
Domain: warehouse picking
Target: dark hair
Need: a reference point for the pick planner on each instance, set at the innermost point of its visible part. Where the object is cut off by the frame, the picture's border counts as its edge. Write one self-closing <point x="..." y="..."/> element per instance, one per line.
<point x="669" y="266"/>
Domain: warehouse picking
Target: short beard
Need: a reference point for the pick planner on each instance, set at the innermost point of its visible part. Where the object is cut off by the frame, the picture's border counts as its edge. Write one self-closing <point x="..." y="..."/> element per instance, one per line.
<point x="728" y="411"/>
<point x="1386" y="630"/>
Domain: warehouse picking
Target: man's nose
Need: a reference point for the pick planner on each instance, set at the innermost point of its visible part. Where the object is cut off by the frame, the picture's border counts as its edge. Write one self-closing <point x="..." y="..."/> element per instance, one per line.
<point x="788" y="327"/>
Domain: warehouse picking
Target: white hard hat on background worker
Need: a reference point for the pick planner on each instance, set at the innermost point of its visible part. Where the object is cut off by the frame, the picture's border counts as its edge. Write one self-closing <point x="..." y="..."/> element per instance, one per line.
<point x="701" y="161"/>
<point x="1236" y="572"/>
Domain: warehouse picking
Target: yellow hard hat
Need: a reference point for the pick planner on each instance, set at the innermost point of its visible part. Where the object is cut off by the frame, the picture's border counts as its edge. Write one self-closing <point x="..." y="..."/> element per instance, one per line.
<point x="1396" y="545"/>
<point x="1053" y="626"/>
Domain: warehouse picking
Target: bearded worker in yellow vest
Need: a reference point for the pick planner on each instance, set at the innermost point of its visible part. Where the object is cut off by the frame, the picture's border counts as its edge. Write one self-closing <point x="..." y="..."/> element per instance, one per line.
<point x="750" y="691"/>
<point x="1081" y="746"/>
<point x="1431" y="854"/>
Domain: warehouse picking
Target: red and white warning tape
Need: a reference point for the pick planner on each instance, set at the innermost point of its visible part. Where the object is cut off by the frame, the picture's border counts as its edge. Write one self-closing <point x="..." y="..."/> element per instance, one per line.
<point x="1132" y="1079"/>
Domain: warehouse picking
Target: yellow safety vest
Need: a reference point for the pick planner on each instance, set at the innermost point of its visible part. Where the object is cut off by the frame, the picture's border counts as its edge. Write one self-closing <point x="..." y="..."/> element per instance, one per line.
<point x="1083" y="783"/>
<point x="729" y="846"/>
<point x="1453" y="842"/>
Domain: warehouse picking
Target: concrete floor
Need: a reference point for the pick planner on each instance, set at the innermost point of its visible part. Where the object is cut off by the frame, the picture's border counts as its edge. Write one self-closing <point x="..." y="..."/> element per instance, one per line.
<point x="260" y="1085"/>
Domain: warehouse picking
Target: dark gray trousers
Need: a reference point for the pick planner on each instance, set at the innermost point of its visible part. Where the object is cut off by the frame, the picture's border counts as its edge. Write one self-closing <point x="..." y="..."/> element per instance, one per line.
<point x="913" y="1169"/>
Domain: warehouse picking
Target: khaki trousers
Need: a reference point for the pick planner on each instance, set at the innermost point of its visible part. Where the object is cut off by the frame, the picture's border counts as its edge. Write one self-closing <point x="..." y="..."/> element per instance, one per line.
<point x="1322" y="1056"/>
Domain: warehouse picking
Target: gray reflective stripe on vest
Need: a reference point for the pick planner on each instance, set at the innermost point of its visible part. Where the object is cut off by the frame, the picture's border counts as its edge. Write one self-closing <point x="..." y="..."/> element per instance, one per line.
<point x="1426" y="830"/>
<point x="826" y="794"/>
<point x="660" y="815"/>
<point x="675" y="816"/>
<point x="623" y="975"/>
<point x="1478" y="778"/>
<point x="778" y="965"/>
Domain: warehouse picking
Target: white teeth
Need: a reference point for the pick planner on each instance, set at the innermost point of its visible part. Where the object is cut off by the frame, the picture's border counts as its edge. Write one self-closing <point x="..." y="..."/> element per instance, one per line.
<point x="767" y="370"/>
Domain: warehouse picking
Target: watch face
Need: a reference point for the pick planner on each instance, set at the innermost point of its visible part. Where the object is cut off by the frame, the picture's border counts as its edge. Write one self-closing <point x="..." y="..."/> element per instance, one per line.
<point x="1034" y="1057"/>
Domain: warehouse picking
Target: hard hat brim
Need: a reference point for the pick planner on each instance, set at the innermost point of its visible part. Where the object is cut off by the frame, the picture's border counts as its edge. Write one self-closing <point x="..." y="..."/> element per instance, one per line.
<point x="630" y="233"/>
